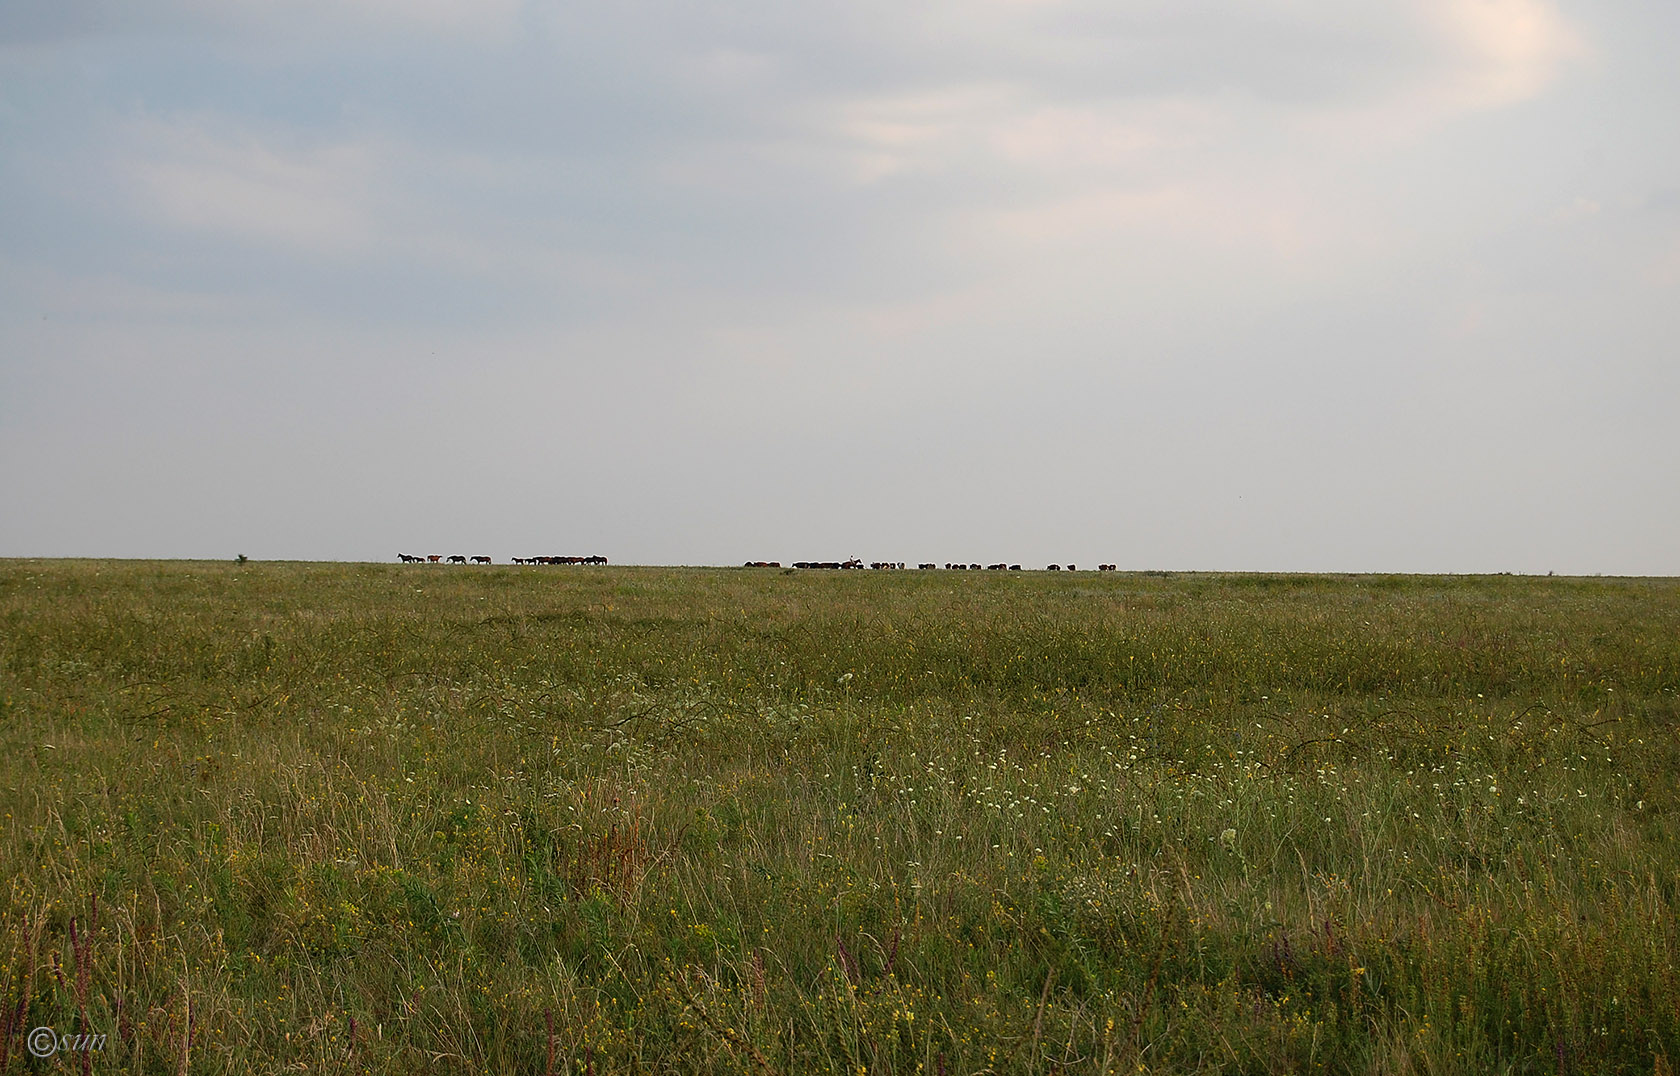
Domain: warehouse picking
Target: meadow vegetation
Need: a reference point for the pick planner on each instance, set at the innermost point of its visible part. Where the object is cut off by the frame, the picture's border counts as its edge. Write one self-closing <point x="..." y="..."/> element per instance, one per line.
<point x="347" y="818"/>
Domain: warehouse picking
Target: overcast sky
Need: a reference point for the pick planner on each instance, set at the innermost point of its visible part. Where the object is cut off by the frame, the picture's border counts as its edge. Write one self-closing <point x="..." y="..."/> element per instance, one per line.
<point x="1186" y="284"/>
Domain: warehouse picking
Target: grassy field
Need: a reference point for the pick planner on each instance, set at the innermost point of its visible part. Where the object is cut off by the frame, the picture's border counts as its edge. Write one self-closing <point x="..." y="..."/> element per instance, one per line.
<point x="345" y="818"/>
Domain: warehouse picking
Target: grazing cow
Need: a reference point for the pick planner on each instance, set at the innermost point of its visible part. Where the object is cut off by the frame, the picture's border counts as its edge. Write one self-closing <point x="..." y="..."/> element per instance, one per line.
<point x="481" y="560"/>
<point x="457" y="559"/>
<point x="1073" y="567"/>
<point x="1054" y="568"/>
<point x="1014" y="567"/>
<point x="433" y="558"/>
<point x="925" y="567"/>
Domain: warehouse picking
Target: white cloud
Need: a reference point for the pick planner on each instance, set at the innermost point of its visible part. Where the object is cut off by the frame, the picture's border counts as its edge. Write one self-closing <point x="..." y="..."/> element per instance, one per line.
<point x="453" y="16"/>
<point x="238" y="185"/>
<point x="1508" y="51"/>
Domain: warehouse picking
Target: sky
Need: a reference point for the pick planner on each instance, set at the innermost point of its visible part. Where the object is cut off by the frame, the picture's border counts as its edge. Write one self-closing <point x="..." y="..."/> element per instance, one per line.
<point x="1274" y="285"/>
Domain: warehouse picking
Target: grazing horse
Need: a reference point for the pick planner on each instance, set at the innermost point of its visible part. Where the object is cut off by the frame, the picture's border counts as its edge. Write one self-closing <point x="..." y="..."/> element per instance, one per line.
<point x="457" y="559"/>
<point x="433" y="558"/>
<point x="481" y="560"/>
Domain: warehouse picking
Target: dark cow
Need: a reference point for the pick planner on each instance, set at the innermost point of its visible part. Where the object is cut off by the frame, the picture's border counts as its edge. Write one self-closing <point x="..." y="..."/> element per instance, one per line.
<point x="1054" y="568"/>
<point x="925" y="567"/>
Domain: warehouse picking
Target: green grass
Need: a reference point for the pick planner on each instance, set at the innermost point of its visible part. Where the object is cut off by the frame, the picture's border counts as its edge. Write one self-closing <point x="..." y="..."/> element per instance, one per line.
<point x="342" y="818"/>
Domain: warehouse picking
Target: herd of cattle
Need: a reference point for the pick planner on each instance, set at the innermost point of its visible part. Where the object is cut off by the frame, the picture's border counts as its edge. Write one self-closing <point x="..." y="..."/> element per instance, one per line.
<point x="887" y="565"/>
<point x="838" y="565"/>
<point x="458" y="559"/>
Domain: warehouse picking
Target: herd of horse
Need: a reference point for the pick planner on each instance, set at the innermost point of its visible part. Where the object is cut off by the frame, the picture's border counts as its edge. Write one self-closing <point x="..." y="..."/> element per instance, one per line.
<point x="837" y="565"/>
